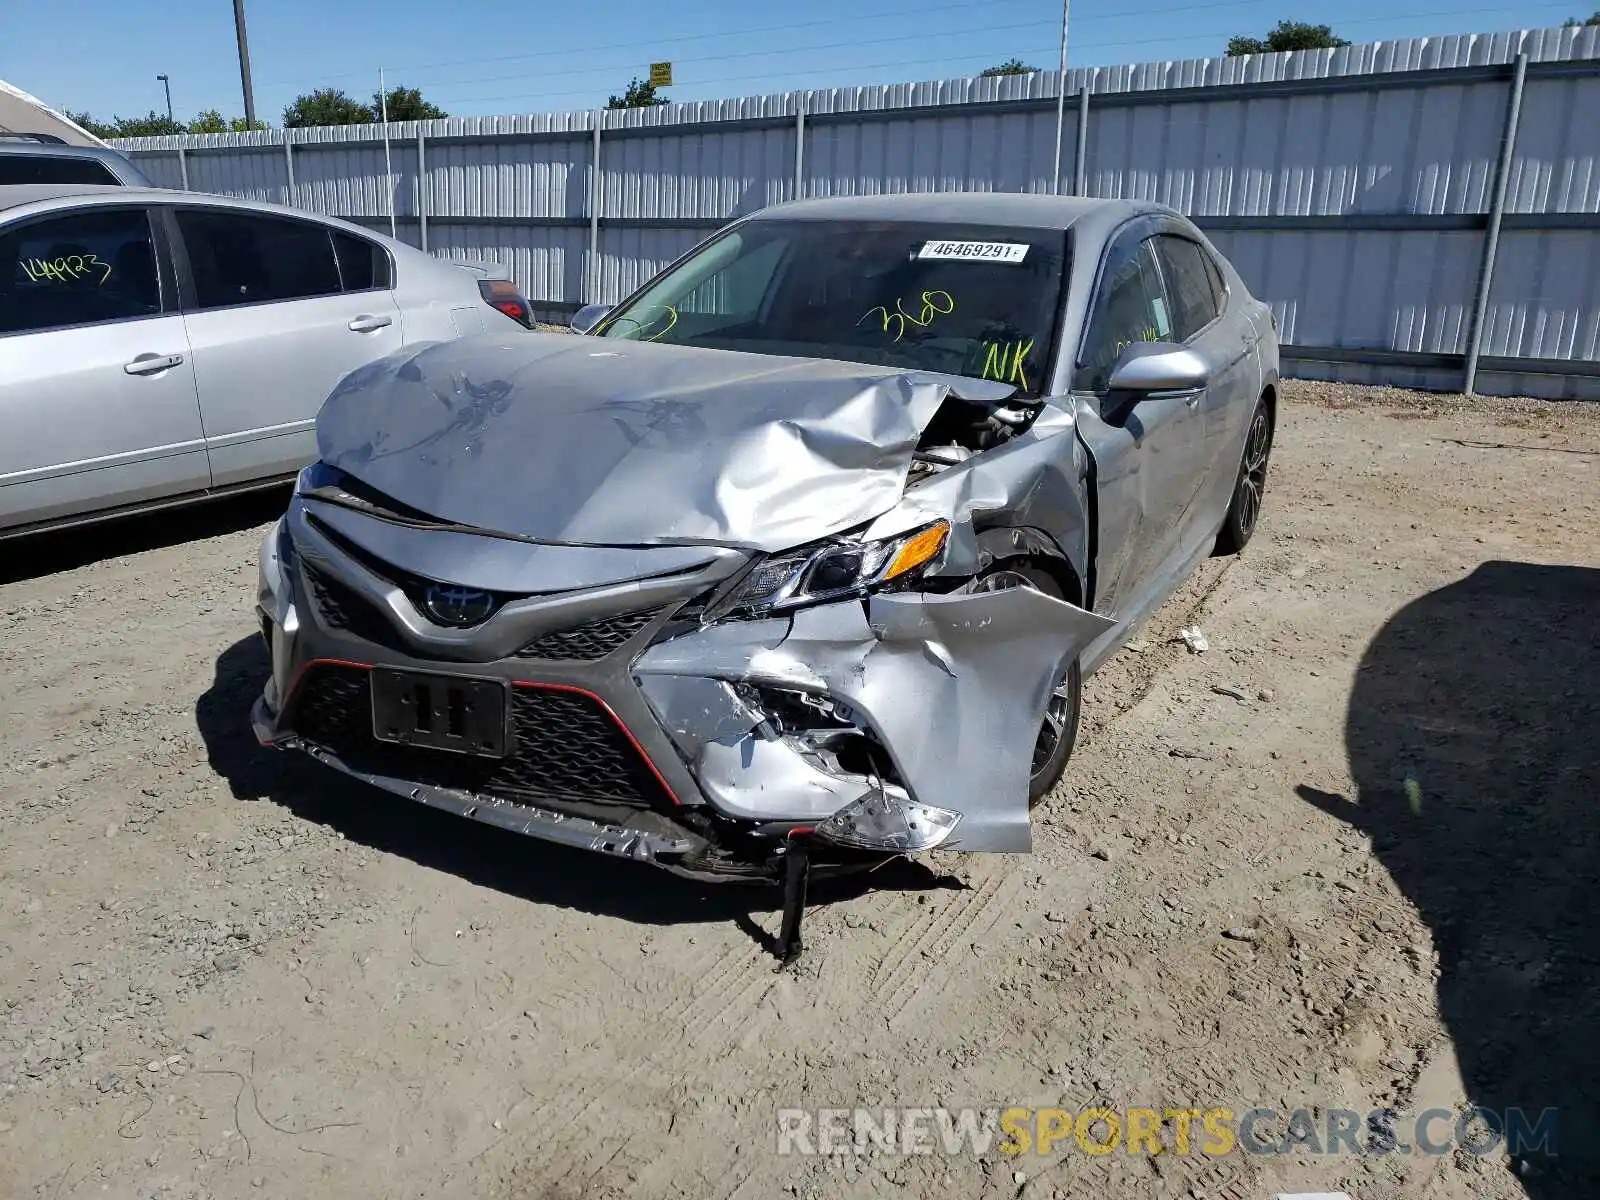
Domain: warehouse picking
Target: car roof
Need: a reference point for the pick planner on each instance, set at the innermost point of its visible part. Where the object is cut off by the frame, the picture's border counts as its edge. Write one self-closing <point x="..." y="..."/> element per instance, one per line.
<point x="1021" y="210"/>
<point x="36" y="149"/>
<point x="15" y="195"/>
<point x="19" y="195"/>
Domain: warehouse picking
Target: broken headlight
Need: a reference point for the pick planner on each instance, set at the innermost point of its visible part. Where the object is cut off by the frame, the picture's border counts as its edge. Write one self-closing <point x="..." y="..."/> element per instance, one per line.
<point x="832" y="572"/>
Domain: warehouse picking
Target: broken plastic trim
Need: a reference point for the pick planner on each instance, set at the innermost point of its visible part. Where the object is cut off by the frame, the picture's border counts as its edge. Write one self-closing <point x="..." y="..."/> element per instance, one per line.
<point x="825" y="731"/>
<point x="889" y="820"/>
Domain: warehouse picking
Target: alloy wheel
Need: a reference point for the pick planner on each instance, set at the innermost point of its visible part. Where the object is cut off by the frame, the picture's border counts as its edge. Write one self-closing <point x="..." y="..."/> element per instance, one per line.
<point x="1253" y="475"/>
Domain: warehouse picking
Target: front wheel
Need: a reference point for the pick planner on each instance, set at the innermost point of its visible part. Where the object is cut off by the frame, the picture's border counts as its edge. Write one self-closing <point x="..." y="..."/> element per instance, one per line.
<point x="1244" y="511"/>
<point x="1058" y="732"/>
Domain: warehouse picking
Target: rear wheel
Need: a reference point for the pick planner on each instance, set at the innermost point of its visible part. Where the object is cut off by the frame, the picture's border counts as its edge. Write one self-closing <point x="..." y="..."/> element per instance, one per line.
<point x="1245" y="509"/>
<point x="1058" y="732"/>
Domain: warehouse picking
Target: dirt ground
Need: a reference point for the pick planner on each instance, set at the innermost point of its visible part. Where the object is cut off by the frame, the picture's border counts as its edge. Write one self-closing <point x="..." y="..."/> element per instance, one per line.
<point x="1346" y="857"/>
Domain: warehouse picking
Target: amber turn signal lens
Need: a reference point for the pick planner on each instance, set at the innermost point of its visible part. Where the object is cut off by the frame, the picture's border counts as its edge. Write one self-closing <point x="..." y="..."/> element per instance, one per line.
<point x="918" y="549"/>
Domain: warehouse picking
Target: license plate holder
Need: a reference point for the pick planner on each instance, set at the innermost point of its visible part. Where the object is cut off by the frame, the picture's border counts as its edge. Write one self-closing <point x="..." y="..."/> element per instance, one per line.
<point x="439" y="712"/>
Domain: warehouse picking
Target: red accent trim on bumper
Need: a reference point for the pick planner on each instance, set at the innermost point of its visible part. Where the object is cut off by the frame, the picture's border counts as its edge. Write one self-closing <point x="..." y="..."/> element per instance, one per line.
<point x="615" y="720"/>
<point x="294" y="690"/>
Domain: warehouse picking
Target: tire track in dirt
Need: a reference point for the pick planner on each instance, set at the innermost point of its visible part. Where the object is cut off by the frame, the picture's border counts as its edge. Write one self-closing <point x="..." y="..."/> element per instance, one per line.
<point x="736" y="983"/>
<point x="909" y="987"/>
<point x="924" y="932"/>
<point x="1143" y="670"/>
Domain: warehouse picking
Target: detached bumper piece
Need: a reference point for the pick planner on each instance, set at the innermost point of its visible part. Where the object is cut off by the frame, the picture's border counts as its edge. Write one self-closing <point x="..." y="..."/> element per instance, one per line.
<point x="796" y="874"/>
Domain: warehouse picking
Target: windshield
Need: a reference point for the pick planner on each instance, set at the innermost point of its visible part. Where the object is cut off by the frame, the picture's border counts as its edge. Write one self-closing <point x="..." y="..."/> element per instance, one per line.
<point x="960" y="299"/>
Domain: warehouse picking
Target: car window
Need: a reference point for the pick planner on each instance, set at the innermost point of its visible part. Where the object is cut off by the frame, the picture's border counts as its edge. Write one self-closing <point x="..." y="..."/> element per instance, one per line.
<point x="82" y="268"/>
<point x="363" y="265"/>
<point x="1194" y="303"/>
<point x="1219" y="289"/>
<point x="1130" y="307"/>
<point x="738" y="289"/>
<point x="244" y="258"/>
<point x="960" y="299"/>
<point x="45" y="168"/>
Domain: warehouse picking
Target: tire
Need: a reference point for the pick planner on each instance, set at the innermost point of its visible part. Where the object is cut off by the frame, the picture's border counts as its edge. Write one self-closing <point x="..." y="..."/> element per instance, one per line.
<point x="1249" y="488"/>
<point x="1059" y="732"/>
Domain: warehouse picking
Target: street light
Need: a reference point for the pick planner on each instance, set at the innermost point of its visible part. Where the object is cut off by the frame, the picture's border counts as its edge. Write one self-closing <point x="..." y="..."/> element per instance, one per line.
<point x="167" y="84"/>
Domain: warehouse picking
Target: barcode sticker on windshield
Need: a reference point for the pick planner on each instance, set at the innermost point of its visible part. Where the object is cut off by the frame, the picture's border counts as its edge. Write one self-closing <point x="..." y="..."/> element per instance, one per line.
<point x="1006" y="252"/>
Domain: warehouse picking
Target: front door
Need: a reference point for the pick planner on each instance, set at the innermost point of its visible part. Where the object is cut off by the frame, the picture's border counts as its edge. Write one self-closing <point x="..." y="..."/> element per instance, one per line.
<point x="273" y="327"/>
<point x="1148" y="449"/>
<point x="97" y="392"/>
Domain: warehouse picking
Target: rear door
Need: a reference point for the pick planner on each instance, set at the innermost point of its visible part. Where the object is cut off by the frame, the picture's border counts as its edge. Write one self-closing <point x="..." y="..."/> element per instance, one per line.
<point x="1202" y="322"/>
<point x="1147" y="449"/>
<point x="97" y="394"/>
<point x="277" y="310"/>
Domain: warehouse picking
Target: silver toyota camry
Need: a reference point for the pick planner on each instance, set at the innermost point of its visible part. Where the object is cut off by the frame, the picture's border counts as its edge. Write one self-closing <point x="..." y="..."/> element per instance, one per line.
<point x="798" y="555"/>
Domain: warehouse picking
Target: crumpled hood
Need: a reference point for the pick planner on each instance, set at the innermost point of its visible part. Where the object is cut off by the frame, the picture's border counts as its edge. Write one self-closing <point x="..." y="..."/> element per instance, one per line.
<point x="599" y="441"/>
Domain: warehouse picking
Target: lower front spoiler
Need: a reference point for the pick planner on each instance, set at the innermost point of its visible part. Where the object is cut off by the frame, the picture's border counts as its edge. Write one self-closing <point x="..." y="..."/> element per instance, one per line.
<point x="681" y="851"/>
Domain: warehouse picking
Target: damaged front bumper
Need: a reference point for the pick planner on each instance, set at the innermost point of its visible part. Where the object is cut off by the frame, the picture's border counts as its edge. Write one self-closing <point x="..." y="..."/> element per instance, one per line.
<point x="892" y="724"/>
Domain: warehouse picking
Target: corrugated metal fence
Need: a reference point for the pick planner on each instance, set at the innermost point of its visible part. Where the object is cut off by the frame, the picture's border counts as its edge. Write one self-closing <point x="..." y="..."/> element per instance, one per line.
<point x="1355" y="189"/>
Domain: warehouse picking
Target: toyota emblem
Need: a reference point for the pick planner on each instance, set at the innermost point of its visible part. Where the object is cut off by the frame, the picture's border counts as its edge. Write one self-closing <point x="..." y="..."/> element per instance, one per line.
<point x="450" y="604"/>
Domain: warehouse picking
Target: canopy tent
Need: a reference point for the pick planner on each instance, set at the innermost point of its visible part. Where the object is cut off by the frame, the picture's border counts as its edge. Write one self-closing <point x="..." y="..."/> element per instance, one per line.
<point x="22" y="113"/>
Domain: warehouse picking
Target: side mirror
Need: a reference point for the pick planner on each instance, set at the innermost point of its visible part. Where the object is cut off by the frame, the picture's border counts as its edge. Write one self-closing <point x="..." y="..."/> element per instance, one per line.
<point x="587" y="317"/>
<point x="1158" y="367"/>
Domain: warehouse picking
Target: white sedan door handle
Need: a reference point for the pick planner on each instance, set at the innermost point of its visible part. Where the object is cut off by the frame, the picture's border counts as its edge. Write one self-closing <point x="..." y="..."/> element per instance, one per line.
<point x="366" y="324"/>
<point x="149" y="364"/>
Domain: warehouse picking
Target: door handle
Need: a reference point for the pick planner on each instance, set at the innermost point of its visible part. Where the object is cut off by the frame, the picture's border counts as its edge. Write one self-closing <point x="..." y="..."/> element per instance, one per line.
<point x="366" y="324"/>
<point x="1194" y="400"/>
<point x="149" y="364"/>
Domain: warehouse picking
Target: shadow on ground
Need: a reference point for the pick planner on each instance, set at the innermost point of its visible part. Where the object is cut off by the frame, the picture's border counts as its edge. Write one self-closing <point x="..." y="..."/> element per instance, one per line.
<point x="518" y="866"/>
<point x="1485" y="696"/>
<point x="49" y="553"/>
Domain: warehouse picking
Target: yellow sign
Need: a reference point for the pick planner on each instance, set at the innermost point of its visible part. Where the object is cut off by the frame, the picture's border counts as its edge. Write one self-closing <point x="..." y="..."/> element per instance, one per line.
<point x="661" y="74"/>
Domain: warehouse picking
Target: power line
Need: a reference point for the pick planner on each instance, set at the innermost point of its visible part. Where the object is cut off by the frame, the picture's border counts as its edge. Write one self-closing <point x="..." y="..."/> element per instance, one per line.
<point x="1036" y="50"/>
<point x="657" y="44"/>
<point x="787" y="50"/>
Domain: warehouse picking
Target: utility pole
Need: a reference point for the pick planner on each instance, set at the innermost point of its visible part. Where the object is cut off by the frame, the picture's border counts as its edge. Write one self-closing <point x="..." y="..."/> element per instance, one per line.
<point x="167" y="84"/>
<point x="244" y="65"/>
<point x="1061" y="98"/>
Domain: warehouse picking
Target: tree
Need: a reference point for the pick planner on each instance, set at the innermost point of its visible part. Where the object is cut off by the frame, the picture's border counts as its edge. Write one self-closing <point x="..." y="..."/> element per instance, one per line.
<point x="1011" y="66"/>
<point x="152" y="124"/>
<point x="212" y="121"/>
<point x="99" y="128"/>
<point x="1594" y="19"/>
<point x="122" y="127"/>
<point x="326" y="106"/>
<point x="1286" y="35"/>
<point x="641" y="93"/>
<point x="405" y="104"/>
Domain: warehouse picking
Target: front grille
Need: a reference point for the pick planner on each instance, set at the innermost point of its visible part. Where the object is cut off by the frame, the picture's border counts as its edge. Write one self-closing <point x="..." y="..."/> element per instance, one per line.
<point x="343" y="608"/>
<point x="414" y="586"/>
<point x="589" y="641"/>
<point x="564" y="748"/>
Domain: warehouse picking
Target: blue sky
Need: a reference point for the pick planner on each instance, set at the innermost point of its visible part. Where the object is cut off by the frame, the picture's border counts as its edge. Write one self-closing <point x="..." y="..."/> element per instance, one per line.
<point x="478" y="57"/>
